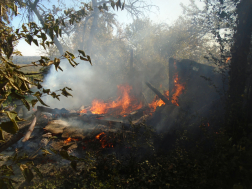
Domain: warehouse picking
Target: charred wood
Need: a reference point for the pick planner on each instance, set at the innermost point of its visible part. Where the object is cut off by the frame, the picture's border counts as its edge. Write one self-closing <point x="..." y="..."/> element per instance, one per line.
<point x="162" y="97"/>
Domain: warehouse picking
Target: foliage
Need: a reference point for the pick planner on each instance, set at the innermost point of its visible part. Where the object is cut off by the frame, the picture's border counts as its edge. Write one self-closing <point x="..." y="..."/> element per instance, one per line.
<point x="13" y="81"/>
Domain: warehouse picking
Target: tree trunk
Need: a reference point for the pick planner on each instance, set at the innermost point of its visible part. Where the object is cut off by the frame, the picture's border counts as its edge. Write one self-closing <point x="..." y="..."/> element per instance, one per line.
<point x="93" y="27"/>
<point x="239" y="64"/>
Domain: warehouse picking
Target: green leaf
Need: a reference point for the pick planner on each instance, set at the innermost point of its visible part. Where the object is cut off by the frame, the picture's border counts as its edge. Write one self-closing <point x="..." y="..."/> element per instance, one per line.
<point x="89" y="59"/>
<point x="113" y="4"/>
<point x="69" y="60"/>
<point x="39" y="80"/>
<point x="42" y="62"/>
<point x="68" y="88"/>
<point x="38" y="94"/>
<point x="27" y="173"/>
<point x="82" y="53"/>
<point x="45" y="58"/>
<point x="19" y="119"/>
<point x="24" y="28"/>
<point x="41" y="101"/>
<point x="27" y="105"/>
<point x="12" y="84"/>
<point x="35" y="41"/>
<point x="54" y="95"/>
<point x="33" y="102"/>
<point x="29" y="39"/>
<point x="72" y="55"/>
<point x="75" y="62"/>
<point x="16" y="95"/>
<point x="46" y="91"/>
<point x="35" y="32"/>
<point x="10" y="126"/>
<point x="65" y="93"/>
<point x="56" y="63"/>
<point x="24" y="86"/>
<point x="60" y="68"/>
<point x="50" y="63"/>
<point x="63" y="23"/>
<point x="82" y="58"/>
<point x="43" y="36"/>
<point x="39" y="86"/>
<point x="12" y="115"/>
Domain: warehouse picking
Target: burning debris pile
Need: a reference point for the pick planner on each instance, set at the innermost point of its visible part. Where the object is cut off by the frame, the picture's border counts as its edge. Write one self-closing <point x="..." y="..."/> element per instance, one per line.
<point x="101" y="123"/>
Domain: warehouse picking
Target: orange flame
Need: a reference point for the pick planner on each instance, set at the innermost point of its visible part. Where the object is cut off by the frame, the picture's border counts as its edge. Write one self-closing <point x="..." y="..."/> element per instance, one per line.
<point x="99" y="135"/>
<point x="124" y="104"/>
<point x="178" y="88"/>
<point x="229" y="58"/>
<point x="67" y="140"/>
<point x="84" y="111"/>
<point x="158" y="102"/>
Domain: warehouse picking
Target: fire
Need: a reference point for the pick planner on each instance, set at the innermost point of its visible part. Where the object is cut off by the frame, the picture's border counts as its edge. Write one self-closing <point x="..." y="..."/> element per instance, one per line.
<point x="102" y="138"/>
<point x="229" y="58"/>
<point x="158" y="102"/>
<point x="84" y="111"/>
<point x="124" y="104"/>
<point x="69" y="139"/>
<point x="178" y="88"/>
<point x="99" y="135"/>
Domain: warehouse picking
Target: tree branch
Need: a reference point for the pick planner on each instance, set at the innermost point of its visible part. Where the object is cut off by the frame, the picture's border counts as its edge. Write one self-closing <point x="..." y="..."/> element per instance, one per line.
<point x="56" y="41"/>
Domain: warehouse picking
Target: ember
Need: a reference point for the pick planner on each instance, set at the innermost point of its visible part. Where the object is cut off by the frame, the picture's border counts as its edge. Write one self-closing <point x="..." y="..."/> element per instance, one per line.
<point x="178" y="88"/>
<point x="102" y="138"/>
<point x="69" y="139"/>
<point x="99" y="135"/>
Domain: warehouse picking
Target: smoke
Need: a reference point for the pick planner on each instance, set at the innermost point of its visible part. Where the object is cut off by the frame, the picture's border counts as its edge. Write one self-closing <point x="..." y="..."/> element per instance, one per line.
<point x="87" y="83"/>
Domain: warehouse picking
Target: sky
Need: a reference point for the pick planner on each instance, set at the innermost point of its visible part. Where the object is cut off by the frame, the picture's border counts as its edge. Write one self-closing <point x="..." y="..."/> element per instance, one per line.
<point x="168" y="11"/>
